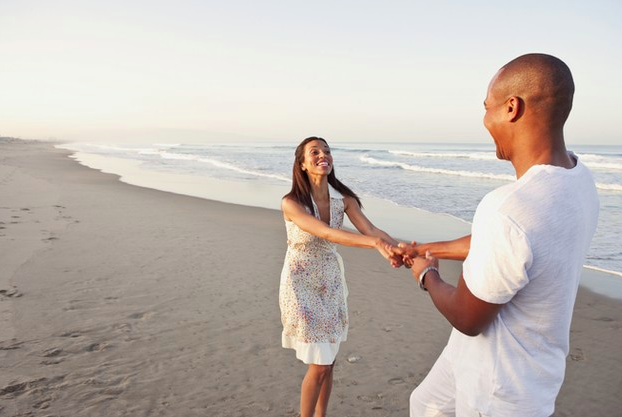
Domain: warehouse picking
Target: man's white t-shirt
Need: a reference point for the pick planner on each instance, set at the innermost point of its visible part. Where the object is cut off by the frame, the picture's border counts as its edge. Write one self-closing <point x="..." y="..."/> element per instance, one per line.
<point x="529" y="240"/>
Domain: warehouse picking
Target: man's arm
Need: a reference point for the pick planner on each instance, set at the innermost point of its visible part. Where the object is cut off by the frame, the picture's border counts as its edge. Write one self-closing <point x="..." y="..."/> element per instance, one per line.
<point x="461" y="308"/>
<point x="457" y="249"/>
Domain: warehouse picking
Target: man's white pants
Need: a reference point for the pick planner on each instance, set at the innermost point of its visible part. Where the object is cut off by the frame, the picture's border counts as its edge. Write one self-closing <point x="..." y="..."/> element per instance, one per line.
<point x="437" y="396"/>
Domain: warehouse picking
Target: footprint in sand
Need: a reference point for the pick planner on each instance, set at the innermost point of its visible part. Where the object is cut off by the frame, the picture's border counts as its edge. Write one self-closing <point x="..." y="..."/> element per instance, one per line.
<point x="123" y="327"/>
<point x="140" y="316"/>
<point x="577" y="355"/>
<point x="52" y="352"/>
<point x="53" y="361"/>
<point x="71" y="334"/>
<point x="43" y="404"/>
<point x="20" y="387"/>
<point x="96" y="347"/>
<point x="10" y="345"/>
<point x="32" y="385"/>
<point x="14" y="389"/>
<point x="365" y="398"/>
<point x="11" y="293"/>
<point x="396" y="381"/>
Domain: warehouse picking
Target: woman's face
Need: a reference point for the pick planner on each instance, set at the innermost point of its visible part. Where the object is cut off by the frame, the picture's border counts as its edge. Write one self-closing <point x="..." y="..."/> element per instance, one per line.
<point x="317" y="158"/>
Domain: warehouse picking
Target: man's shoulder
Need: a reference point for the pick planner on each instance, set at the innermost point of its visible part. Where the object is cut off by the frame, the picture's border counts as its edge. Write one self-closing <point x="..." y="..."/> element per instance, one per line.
<point x="495" y="198"/>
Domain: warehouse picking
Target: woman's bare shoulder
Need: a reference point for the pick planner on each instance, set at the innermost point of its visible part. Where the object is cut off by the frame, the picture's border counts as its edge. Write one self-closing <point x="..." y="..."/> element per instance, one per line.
<point x="288" y="202"/>
<point x="291" y="208"/>
<point x="349" y="201"/>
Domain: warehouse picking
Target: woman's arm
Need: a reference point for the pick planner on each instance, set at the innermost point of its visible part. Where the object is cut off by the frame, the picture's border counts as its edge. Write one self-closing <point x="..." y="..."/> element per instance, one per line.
<point x="367" y="228"/>
<point x="295" y="212"/>
<point x="362" y="223"/>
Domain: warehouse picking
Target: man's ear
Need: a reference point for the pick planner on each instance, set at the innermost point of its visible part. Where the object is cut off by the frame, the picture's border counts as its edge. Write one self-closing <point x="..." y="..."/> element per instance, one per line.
<point x="514" y="108"/>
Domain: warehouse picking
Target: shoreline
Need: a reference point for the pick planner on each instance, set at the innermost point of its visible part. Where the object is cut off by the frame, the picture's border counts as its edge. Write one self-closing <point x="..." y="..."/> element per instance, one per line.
<point x="123" y="300"/>
<point x="385" y="214"/>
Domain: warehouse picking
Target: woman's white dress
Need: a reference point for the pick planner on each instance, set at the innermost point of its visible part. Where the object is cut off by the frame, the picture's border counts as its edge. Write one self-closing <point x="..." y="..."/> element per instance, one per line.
<point x="313" y="291"/>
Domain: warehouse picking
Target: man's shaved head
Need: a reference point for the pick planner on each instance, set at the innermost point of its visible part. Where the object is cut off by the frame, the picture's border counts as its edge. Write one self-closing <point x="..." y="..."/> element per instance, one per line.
<point x="542" y="81"/>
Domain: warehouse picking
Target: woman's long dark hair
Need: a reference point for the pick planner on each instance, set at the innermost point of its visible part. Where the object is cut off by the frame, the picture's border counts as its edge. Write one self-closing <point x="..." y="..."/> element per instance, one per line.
<point x="301" y="187"/>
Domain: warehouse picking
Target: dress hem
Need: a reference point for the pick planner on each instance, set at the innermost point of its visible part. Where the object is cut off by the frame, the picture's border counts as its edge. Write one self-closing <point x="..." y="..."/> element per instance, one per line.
<point x="321" y="353"/>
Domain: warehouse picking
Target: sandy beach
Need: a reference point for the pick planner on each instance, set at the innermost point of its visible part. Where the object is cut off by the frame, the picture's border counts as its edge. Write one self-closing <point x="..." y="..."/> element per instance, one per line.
<point x="118" y="300"/>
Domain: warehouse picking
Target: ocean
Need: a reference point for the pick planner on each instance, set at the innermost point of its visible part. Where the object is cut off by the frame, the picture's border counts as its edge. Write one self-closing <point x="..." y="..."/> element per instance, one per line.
<point x="444" y="178"/>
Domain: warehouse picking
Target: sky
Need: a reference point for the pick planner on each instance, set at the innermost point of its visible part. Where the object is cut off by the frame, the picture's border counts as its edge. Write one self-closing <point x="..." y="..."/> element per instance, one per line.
<point x="186" y="71"/>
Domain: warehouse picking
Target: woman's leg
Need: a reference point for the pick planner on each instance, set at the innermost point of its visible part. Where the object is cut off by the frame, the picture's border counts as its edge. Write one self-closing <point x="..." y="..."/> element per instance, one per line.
<point x="322" y="402"/>
<point x="314" y="394"/>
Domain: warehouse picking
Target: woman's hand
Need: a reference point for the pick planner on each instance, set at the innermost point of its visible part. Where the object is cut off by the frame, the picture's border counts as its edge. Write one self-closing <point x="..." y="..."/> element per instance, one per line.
<point x="410" y="251"/>
<point x="389" y="252"/>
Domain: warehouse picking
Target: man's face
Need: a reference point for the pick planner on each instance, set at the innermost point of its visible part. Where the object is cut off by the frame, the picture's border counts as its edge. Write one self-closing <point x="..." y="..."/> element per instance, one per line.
<point x="494" y="120"/>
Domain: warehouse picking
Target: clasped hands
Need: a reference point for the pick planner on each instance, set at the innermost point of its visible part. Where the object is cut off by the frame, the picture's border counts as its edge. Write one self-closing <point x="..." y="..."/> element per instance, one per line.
<point x="410" y="255"/>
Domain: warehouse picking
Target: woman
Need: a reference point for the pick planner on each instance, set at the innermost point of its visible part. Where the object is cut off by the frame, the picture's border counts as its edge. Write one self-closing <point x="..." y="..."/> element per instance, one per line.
<point x="313" y="290"/>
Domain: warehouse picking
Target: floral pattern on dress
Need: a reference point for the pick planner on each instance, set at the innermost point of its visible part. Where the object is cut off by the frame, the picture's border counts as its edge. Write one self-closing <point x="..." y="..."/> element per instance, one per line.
<point x="313" y="292"/>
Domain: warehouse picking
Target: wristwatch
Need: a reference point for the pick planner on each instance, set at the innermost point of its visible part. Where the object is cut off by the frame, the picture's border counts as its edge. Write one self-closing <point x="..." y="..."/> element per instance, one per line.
<point x="422" y="276"/>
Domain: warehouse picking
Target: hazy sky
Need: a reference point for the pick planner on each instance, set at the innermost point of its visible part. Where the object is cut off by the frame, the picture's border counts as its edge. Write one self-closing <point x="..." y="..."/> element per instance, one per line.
<point x="283" y="70"/>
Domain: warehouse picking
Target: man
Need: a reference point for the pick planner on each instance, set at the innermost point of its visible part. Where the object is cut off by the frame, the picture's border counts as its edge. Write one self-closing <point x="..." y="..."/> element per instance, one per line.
<point x="512" y="307"/>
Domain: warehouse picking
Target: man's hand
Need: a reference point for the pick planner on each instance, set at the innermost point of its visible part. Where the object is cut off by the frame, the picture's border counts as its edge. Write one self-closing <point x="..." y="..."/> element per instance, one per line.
<point x="418" y="264"/>
<point x="410" y="251"/>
